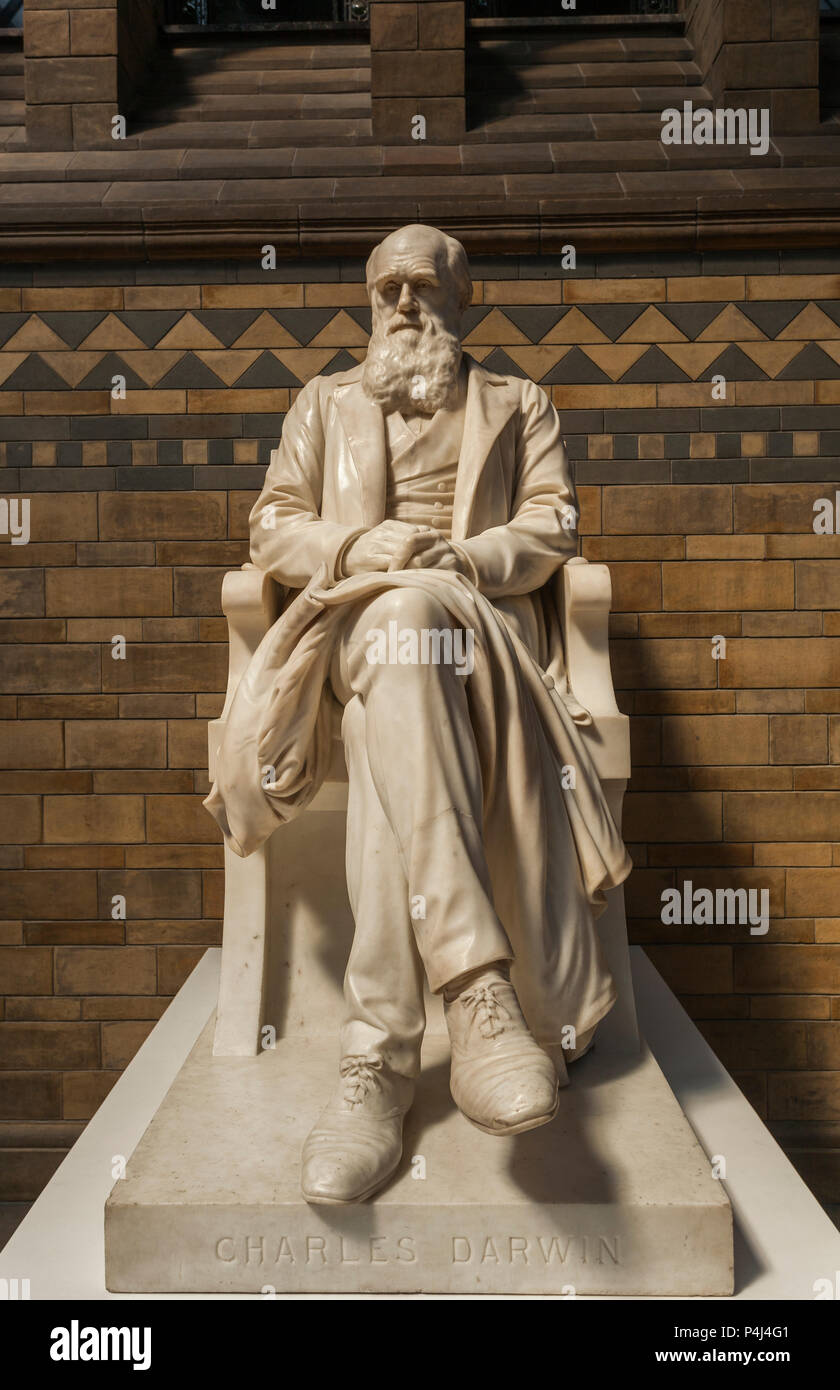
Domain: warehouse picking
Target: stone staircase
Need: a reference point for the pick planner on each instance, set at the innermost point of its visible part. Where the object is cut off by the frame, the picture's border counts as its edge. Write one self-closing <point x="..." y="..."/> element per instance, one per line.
<point x="11" y="89"/>
<point x="263" y="94"/>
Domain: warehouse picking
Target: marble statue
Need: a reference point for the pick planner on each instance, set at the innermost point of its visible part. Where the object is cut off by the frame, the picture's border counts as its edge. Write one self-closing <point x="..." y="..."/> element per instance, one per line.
<point x="418" y="511"/>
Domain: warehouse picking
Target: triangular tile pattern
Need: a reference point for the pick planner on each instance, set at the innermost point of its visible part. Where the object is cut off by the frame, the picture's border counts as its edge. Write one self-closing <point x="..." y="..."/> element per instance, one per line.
<point x="273" y="348"/>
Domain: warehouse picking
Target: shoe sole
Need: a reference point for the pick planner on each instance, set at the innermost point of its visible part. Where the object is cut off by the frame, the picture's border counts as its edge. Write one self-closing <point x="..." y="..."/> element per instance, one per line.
<point x="522" y="1128"/>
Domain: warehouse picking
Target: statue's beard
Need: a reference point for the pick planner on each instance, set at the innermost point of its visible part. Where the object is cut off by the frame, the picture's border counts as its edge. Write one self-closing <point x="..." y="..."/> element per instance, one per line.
<point x="410" y="370"/>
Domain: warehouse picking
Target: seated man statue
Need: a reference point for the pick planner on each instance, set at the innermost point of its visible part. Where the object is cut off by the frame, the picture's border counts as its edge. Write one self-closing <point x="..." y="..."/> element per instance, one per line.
<point x="418" y="507"/>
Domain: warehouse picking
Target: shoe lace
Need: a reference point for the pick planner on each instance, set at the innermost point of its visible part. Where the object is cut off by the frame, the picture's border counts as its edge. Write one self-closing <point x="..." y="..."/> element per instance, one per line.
<point x="360" y="1077"/>
<point x="487" y="1011"/>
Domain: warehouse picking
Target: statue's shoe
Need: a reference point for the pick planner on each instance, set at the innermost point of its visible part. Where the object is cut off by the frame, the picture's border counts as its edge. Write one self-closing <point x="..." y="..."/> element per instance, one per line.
<point x="357" y="1143"/>
<point x="501" y="1079"/>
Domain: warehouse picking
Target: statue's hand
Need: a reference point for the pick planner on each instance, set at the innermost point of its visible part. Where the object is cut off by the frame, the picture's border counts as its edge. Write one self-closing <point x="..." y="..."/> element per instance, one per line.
<point x="431" y="550"/>
<point x="384" y="547"/>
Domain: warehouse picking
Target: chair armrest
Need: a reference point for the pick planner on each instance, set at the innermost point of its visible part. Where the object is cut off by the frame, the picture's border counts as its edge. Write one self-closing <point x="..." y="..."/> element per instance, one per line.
<point x="251" y="602"/>
<point x="585" y="613"/>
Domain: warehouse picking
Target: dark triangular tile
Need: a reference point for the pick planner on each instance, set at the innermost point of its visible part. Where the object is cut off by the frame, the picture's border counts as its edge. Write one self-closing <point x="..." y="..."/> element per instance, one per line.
<point x="472" y="317"/>
<point x="735" y="366"/>
<point x="575" y="369"/>
<point x="150" y="325"/>
<point x="9" y="324"/>
<point x="612" y="319"/>
<point x="101" y="377"/>
<point x="226" y="324"/>
<point x="771" y="318"/>
<point x="534" y="319"/>
<point x="811" y="364"/>
<point x="72" y="326"/>
<point x="342" y="362"/>
<point x="828" y="306"/>
<point x="267" y="371"/>
<point x="653" y="365"/>
<point x="34" y="375"/>
<point x="189" y="372"/>
<point x="498" y="361"/>
<point x="362" y="317"/>
<point x="690" y="319"/>
<point x="303" y="324"/>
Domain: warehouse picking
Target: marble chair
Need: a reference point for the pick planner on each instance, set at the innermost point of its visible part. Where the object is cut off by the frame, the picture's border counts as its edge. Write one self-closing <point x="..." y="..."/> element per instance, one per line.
<point x="287" y="921"/>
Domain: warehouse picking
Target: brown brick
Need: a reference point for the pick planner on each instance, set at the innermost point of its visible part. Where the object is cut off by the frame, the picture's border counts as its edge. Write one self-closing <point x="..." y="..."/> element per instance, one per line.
<point x="68" y="706"/>
<point x="93" y="31"/>
<point x="120" y="1041"/>
<point x="111" y="592"/>
<point x="792" y="816"/>
<point x="72" y="80"/>
<point x="441" y="25"/>
<point x="788" y="854"/>
<point x="817" y="584"/>
<point x="72" y="820"/>
<point x="793" y="969"/>
<point x="168" y="667"/>
<point x="21" y="593"/>
<point x="760" y="624"/>
<point x="105" y="970"/>
<point x="672" y="816"/>
<point x="97" y="933"/>
<point x="180" y="818"/>
<point x="24" y="1172"/>
<point x="151" y="892"/>
<point x="783" y="662"/>
<point x="47" y="667"/>
<point x="48" y="894"/>
<point x="163" y="515"/>
<point x="644" y="510"/>
<point x="137" y="743"/>
<point x="732" y="585"/>
<point x="158" y="933"/>
<point x="42" y="1009"/>
<point x="655" y="664"/>
<point x="798" y="738"/>
<point x="28" y="1096"/>
<point x="417" y="74"/>
<point x="47" y="34"/>
<point x="393" y="26"/>
<point x="804" y="1096"/>
<point x="813" y="890"/>
<point x="187" y="743"/>
<point x="724" y="738"/>
<point x="689" y="969"/>
<point x="26" y="743"/>
<point x="49" y="1046"/>
<point x="769" y="701"/>
<point x="175" y="963"/>
<point x="741" y="1043"/>
<point x="27" y="970"/>
<point x="124" y="1006"/>
<point x="776" y="507"/>
<point x="84" y="1092"/>
<point x="788" y="1006"/>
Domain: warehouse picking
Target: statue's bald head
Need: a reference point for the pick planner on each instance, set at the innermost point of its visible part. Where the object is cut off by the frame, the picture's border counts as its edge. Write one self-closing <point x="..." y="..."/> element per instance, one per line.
<point x="411" y="249"/>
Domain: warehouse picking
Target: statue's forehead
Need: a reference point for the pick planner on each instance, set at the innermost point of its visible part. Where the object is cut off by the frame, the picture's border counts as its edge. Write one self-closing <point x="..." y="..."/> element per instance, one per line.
<point x="409" y="257"/>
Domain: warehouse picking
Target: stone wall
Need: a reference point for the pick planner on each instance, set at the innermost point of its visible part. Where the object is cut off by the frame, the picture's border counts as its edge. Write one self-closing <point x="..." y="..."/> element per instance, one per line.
<point x="702" y="507"/>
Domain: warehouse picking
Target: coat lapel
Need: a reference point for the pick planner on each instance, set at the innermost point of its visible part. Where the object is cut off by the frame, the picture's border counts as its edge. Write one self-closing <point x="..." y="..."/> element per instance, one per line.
<point x="489" y="407"/>
<point x="364" y="425"/>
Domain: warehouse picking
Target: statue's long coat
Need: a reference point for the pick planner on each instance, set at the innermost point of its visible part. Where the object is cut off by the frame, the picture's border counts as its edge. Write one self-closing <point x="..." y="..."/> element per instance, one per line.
<point x="552" y="847"/>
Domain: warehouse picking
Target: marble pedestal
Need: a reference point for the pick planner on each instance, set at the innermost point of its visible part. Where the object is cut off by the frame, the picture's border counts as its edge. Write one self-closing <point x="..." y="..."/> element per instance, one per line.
<point x="614" y="1197"/>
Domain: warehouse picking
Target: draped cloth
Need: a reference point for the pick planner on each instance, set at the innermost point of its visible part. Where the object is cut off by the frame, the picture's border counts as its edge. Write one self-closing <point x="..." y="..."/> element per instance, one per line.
<point x="552" y="846"/>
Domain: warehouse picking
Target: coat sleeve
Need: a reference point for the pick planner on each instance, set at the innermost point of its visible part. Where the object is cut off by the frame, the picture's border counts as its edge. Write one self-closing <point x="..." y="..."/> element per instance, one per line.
<point x="520" y="556"/>
<point x="288" y="537"/>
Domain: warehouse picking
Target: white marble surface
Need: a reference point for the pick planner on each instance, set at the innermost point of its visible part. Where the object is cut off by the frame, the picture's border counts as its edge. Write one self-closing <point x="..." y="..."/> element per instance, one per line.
<point x="784" y="1242"/>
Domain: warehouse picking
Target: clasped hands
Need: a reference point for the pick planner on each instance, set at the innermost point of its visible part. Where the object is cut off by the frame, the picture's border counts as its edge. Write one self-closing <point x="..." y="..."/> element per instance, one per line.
<point x="398" y="545"/>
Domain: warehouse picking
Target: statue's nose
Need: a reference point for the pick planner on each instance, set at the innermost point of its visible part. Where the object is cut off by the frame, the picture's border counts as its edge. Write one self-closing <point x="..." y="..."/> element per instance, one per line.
<point x="407" y="301"/>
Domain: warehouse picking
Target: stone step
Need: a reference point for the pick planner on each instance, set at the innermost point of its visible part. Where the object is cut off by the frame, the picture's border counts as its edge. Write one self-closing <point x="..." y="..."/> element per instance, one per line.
<point x="233" y="57"/>
<point x="252" y="134"/>
<point x="12" y="113"/>
<point x="11" y="88"/>
<point x="618" y="74"/>
<point x="604" y="49"/>
<point x="173" y="79"/>
<point x="265" y="106"/>
<point x="584" y="99"/>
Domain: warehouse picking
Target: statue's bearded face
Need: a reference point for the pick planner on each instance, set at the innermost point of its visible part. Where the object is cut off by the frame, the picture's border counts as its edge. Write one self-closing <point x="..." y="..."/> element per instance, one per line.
<point x="414" y="352"/>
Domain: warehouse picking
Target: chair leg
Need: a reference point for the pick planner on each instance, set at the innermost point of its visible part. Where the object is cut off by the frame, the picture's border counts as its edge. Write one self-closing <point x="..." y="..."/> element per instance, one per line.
<point x="619" y="1031"/>
<point x="244" y="940"/>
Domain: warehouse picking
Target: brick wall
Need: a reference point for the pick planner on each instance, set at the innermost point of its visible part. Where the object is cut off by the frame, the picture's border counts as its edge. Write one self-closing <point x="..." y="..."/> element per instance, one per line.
<point x="703" y="509"/>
